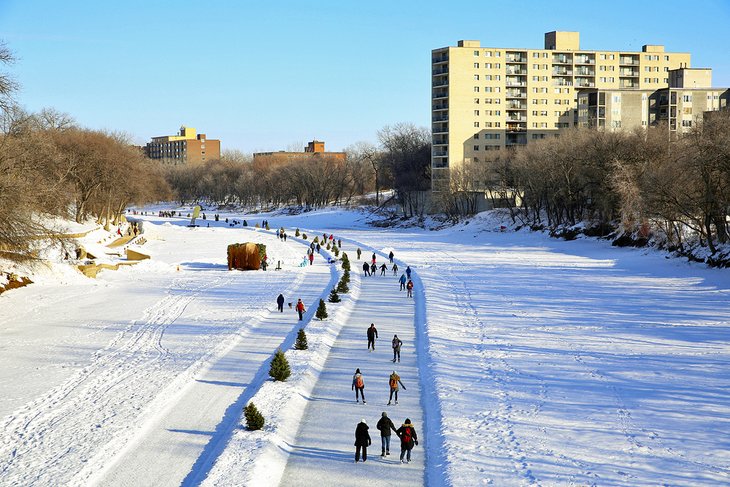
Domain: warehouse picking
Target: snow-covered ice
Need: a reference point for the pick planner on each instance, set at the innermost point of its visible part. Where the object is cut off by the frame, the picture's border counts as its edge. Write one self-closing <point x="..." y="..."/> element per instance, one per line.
<point x="528" y="360"/>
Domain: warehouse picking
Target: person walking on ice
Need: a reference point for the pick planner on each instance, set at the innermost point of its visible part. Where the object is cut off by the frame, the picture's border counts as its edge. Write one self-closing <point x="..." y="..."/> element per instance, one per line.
<point x="390" y="256"/>
<point x="394" y="381"/>
<point x="373" y="269"/>
<point x="396" y="347"/>
<point x="395" y="269"/>
<point x="362" y="441"/>
<point x="359" y="252"/>
<point x="300" y="309"/>
<point x="409" y="289"/>
<point x="311" y="258"/>
<point x="385" y="425"/>
<point x="358" y="385"/>
<point x="408" y="437"/>
<point x="280" y="303"/>
<point x="372" y="335"/>
<point x="383" y="268"/>
<point x="402" y="282"/>
<point x="408" y="272"/>
<point x="373" y="259"/>
<point x="366" y="268"/>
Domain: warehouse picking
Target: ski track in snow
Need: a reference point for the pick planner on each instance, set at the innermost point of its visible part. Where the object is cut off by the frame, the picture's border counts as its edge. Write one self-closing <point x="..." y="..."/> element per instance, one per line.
<point x="64" y="426"/>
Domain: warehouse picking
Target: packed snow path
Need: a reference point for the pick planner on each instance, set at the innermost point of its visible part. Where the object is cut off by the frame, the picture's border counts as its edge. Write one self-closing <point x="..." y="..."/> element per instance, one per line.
<point x="323" y="449"/>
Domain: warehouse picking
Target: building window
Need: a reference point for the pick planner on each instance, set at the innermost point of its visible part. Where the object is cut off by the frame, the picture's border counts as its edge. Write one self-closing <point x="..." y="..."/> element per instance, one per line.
<point x="497" y="124"/>
<point x="666" y="58"/>
<point x="487" y="53"/>
<point x="686" y="123"/>
<point x="476" y="65"/>
<point x="476" y="100"/>
<point x="535" y="54"/>
<point x="476" y="113"/>
<point x="476" y="53"/>
<point x="498" y="77"/>
<point x="476" y="147"/>
<point x="476" y="77"/>
<point x="488" y="65"/>
<point x="534" y="113"/>
<point x="476" y="89"/>
<point x="476" y="136"/>
<point x="535" y="66"/>
<point x="476" y="124"/>
<point x="497" y="66"/>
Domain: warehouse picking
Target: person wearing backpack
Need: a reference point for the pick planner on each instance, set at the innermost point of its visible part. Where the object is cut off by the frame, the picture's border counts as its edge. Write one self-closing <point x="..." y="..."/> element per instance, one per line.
<point x="384" y="426"/>
<point x="408" y="437"/>
<point x="394" y="380"/>
<point x="358" y="385"/>
<point x="362" y="441"/>
<point x="300" y="309"/>
<point x="396" y="347"/>
<point x="402" y="281"/>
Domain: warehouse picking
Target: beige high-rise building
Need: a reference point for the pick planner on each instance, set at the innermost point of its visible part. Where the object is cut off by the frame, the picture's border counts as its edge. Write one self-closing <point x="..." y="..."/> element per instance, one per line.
<point x="488" y="99"/>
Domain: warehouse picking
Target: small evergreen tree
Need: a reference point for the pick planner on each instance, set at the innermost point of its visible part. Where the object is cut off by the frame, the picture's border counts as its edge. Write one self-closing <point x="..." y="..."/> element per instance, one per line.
<point x="335" y="250"/>
<point x="301" y="343"/>
<point x="296" y="233"/>
<point x="346" y="276"/>
<point x="321" y="310"/>
<point x="342" y="287"/>
<point x="279" y="369"/>
<point x="267" y="226"/>
<point x="254" y="419"/>
<point x="316" y="239"/>
<point x="328" y="246"/>
<point x="334" y="297"/>
<point x="345" y="261"/>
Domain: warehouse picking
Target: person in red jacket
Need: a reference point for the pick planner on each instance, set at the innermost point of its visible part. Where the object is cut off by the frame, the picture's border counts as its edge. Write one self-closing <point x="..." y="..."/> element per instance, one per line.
<point x="311" y="258"/>
<point x="300" y="309"/>
<point x="409" y="288"/>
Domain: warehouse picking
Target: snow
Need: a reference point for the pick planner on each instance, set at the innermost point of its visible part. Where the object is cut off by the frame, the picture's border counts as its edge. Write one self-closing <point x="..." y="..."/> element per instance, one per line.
<point x="528" y="360"/>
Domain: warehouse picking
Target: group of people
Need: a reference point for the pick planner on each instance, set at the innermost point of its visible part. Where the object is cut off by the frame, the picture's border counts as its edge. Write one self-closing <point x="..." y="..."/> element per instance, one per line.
<point x="406" y="433"/>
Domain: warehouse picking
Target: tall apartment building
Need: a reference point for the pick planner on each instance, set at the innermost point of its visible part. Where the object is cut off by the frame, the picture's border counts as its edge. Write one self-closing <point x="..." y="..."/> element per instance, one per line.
<point x="187" y="147"/>
<point x="679" y="107"/>
<point x="487" y="99"/>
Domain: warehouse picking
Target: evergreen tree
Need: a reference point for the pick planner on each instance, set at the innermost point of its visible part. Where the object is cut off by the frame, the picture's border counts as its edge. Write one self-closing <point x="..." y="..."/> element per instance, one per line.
<point x="279" y="369"/>
<point x="346" y="276"/>
<point x="304" y="236"/>
<point x="334" y="297"/>
<point x="254" y="419"/>
<point x="316" y="240"/>
<point x="296" y="233"/>
<point x="321" y="310"/>
<point x="345" y="261"/>
<point x="267" y="226"/>
<point x="301" y="343"/>
<point x="342" y="287"/>
<point x="328" y="246"/>
<point x="335" y="250"/>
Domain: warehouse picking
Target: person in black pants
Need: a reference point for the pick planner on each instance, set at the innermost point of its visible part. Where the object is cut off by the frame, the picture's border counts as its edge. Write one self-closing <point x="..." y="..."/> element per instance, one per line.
<point x="372" y="335"/>
<point x="280" y="303"/>
<point x="362" y="441"/>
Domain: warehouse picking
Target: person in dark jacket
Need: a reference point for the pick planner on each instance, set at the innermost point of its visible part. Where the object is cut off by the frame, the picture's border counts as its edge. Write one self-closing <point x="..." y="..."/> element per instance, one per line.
<point x="408" y="271"/>
<point x="359" y="252"/>
<point x="366" y="268"/>
<point x="383" y="268"/>
<point x="362" y="441"/>
<point x="373" y="268"/>
<point x="390" y="256"/>
<point x="372" y="335"/>
<point x="395" y="269"/>
<point x="402" y="281"/>
<point x="397" y="343"/>
<point x="280" y="303"/>
<point x="408" y="437"/>
<point x="384" y="426"/>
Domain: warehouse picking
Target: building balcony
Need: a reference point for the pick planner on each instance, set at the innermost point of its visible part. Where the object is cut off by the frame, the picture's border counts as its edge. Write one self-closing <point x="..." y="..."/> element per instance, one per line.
<point x="440" y="70"/>
<point x="516" y="106"/>
<point x="440" y="58"/>
<point x="584" y="60"/>
<point x="441" y="118"/>
<point x="515" y="83"/>
<point x="628" y="84"/>
<point x="517" y="71"/>
<point x="512" y="118"/>
<point x="562" y="60"/>
<point x="516" y="94"/>
<point x="440" y="153"/>
<point x="440" y="82"/>
<point x="515" y="58"/>
<point x="439" y="141"/>
<point x="516" y="128"/>
<point x="440" y="95"/>
<point x="585" y="84"/>
<point x="440" y="106"/>
<point x="629" y="72"/>
<point x="629" y="61"/>
<point x="584" y="72"/>
<point x="562" y="72"/>
<point x="562" y="82"/>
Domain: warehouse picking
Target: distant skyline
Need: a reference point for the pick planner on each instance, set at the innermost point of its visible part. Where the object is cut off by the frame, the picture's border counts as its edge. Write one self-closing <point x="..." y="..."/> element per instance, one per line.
<point x="264" y="76"/>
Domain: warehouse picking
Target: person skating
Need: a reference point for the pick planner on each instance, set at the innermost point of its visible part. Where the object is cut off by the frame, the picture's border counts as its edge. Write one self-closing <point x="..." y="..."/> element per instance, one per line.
<point x="385" y="425"/>
<point x="359" y="252"/>
<point x="373" y="269"/>
<point x="397" y="343"/>
<point x="362" y="441"/>
<point x="390" y="256"/>
<point x="300" y="309"/>
<point x="408" y="437"/>
<point x="383" y="268"/>
<point x="311" y="258"/>
<point x="280" y="303"/>
<point x="366" y="268"/>
<point x="372" y="260"/>
<point x="402" y="282"/>
<point x="372" y="335"/>
<point x="409" y="289"/>
<point x="358" y="385"/>
<point x="394" y="381"/>
<point x="395" y="269"/>
<point x="408" y="272"/>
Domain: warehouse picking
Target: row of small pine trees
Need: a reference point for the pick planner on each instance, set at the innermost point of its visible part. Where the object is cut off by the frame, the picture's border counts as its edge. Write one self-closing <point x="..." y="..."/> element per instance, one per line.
<point x="279" y="369"/>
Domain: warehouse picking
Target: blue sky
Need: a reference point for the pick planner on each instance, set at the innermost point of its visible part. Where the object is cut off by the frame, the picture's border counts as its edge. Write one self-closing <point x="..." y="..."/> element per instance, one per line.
<point x="265" y="75"/>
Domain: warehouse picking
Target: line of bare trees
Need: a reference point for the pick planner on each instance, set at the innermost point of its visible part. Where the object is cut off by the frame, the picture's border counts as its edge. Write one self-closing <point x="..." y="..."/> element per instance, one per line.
<point x="401" y="163"/>
<point x="635" y="182"/>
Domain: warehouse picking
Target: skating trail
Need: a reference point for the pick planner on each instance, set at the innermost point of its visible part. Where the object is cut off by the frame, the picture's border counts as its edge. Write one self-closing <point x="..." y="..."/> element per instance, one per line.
<point x="324" y="447"/>
<point x="178" y="445"/>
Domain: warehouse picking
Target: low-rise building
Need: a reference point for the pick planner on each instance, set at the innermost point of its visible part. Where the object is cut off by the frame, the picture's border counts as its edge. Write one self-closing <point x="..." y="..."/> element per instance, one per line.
<point x="187" y="147"/>
<point x="314" y="150"/>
